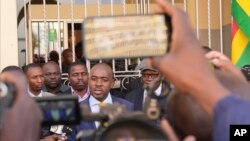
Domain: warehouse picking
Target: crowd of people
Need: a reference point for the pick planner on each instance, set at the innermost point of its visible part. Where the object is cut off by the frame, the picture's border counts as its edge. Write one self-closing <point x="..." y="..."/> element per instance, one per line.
<point x="209" y="94"/>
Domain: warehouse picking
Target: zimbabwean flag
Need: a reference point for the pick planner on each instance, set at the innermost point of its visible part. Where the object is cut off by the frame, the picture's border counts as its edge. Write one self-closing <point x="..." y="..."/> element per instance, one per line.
<point x="241" y="32"/>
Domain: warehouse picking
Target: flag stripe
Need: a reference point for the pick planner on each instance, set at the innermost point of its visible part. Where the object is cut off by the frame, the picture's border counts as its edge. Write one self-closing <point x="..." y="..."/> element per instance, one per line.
<point x="245" y="5"/>
<point x="234" y="29"/>
<point x="241" y="18"/>
<point x="245" y="57"/>
<point x="239" y="44"/>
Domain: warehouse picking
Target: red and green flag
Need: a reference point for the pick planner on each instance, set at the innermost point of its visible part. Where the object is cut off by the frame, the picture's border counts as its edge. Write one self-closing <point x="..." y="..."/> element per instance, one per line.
<point x="241" y="32"/>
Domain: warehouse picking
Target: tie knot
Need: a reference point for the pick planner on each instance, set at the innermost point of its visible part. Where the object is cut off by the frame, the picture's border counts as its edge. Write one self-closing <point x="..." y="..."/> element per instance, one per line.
<point x="102" y="104"/>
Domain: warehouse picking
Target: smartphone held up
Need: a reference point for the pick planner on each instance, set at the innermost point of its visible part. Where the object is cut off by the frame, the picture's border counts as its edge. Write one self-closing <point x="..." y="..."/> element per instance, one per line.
<point x="129" y="36"/>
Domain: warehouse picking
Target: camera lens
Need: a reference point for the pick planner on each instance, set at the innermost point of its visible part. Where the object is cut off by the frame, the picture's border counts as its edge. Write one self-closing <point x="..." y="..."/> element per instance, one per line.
<point x="153" y="113"/>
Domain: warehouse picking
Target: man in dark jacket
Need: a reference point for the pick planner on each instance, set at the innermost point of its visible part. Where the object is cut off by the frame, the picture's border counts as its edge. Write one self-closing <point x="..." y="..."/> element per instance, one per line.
<point x="138" y="95"/>
<point x="101" y="80"/>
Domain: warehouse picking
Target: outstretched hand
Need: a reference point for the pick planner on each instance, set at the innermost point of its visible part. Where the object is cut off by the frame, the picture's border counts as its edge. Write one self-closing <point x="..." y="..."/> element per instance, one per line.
<point x="223" y="62"/>
<point x="185" y="65"/>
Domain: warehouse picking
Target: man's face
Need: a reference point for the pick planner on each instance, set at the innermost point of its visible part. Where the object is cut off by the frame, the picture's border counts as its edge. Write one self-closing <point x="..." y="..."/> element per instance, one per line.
<point x="100" y="82"/>
<point x="52" y="75"/>
<point x="148" y="76"/>
<point x="35" y="79"/>
<point x="78" y="77"/>
<point x="68" y="57"/>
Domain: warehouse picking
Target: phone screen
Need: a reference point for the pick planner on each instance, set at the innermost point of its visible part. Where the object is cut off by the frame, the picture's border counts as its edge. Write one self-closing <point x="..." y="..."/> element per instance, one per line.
<point x="59" y="110"/>
<point x="126" y="36"/>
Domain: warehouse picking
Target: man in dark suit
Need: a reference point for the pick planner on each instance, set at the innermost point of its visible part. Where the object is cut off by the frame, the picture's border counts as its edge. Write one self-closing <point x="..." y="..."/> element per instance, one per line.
<point x="138" y="95"/>
<point x="101" y="80"/>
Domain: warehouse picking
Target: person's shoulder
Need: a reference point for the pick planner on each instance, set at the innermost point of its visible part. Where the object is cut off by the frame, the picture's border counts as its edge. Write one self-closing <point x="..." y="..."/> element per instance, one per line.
<point x="85" y="101"/>
<point x="135" y="93"/>
<point x="139" y="89"/>
<point x="65" y="89"/>
<point x="48" y="94"/>
<point x="122" y="101"/>
<point x="44" y="88"/>
<point x="134" y="84"/>
<point x="117" y="93"/>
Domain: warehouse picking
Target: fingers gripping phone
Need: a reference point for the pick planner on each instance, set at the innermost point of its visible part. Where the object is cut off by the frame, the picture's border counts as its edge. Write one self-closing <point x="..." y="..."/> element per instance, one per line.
<point x="126" y="36"/>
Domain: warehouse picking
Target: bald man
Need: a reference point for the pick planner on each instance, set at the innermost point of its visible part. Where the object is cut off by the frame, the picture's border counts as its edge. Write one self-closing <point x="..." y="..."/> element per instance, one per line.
<point x="101" y="80"/>
<point x="52" y="79"/>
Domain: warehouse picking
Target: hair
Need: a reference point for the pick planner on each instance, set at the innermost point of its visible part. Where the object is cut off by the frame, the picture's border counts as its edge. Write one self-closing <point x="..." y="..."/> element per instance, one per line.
<point x="38" y="59"/>
<point x="12" y="68"/>
<point x="133" y="128"/>
<point x="77" y="63"/>
<point x="78" y="50"/>
<point x="66" y="51"/>
<point x="32" y="65"/>
<point x="51" y="63"/>
<point x="54" y="56"/>
<point x="187" y="116"/>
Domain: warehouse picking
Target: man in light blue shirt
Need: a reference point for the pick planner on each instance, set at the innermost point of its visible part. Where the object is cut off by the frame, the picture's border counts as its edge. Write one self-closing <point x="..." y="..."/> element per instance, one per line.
<point x="101" y="80"/>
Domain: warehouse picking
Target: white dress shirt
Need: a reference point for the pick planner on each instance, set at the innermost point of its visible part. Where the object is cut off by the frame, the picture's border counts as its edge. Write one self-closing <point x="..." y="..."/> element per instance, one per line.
<point x="94" y="105"/>
<point x="32" y="95"/>
<point x="157" y="92"/>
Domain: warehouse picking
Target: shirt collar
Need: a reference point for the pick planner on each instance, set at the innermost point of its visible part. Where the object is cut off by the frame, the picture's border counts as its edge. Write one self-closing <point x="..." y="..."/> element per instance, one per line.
<point x="32" y="95"/>
<point x="158" y="90"/>
<point x="86" y="95"/>
<point x="63" y="88"/>
<point x="60" y="89"/>
<point x="93" y="101"/>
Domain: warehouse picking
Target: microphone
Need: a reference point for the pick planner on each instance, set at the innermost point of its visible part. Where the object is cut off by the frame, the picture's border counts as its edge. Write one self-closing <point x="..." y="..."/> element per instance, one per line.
<point x="67" y="130"/>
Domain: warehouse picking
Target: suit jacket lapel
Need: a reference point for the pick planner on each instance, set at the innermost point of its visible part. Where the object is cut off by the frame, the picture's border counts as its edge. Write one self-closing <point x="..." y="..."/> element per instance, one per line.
<point x="90" y="124"/>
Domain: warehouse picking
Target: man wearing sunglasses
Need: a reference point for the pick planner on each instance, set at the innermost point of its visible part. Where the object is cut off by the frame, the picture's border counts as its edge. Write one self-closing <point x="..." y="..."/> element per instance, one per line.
<point x="138" y="95"/>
